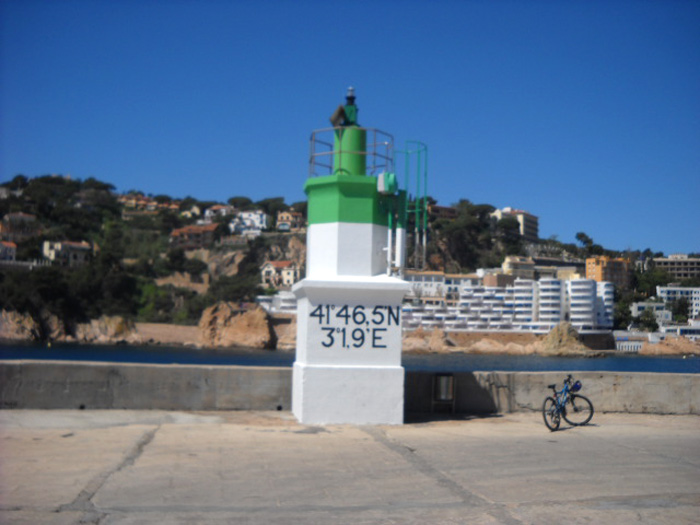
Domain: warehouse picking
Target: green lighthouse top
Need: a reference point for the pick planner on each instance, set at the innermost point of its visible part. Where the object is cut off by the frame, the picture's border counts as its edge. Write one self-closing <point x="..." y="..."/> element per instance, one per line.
<point x="346" y="115"/>
<point x="349" y="149"/>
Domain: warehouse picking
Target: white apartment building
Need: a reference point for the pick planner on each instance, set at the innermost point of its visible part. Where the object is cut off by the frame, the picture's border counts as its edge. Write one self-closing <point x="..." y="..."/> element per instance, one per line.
<point x="605" y="304"/>
<point x="661" y="314"/>
<point x="552" y="299"/>
<point x="582" y="303"/>
<point x="250" y="223"/>
<point x="431" y="287"/>
<point x="672" y="293"/>
<point x="524" y="292"/>
<point x="526" y="305"/>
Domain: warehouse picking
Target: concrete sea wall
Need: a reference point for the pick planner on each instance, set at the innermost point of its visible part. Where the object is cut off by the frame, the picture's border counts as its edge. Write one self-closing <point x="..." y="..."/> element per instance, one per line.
<point x="72" y="384"/>
<point x="75" y="385"/>
<point x="492" y="392"/>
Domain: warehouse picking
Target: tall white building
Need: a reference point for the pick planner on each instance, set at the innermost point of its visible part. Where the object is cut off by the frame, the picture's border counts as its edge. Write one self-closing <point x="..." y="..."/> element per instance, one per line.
<point x="524" y="292"/>
<point x="551" y="301"/>
<point x="605" y="305"/>
<point x="582" y="302"/>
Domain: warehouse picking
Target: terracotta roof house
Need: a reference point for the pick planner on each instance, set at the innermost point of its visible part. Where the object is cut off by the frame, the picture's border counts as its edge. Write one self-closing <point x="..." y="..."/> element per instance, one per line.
<point x="193" y="237"/>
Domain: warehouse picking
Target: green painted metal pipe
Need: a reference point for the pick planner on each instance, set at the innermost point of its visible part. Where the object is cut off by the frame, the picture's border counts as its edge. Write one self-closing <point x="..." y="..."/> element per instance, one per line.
<point x="350" y="151"/>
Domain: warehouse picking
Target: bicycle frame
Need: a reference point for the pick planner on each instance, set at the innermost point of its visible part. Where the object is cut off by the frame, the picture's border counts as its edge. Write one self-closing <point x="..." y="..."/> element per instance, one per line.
<point x="562" y="396"/>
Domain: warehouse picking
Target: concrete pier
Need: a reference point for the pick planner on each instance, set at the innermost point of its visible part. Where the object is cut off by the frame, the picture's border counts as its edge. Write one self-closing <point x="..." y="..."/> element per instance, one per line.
<point x="162" y="467"/>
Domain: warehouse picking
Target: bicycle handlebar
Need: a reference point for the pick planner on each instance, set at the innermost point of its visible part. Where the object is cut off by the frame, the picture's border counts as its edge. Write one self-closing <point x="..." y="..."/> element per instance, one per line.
<point x="567" y="381"/>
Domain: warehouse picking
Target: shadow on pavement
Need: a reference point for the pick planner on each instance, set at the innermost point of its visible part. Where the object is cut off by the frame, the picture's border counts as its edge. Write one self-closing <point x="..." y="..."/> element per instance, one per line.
<point x="430" y="417"/>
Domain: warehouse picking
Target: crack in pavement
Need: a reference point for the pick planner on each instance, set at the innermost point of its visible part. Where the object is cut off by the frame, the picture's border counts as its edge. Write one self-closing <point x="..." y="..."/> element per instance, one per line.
<point x="498" y="511"/>
<point x="83" y="501"/>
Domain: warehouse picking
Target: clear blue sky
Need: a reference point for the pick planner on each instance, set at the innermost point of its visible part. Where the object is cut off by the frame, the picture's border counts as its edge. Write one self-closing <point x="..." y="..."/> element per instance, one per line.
<point x="585" y="113"/>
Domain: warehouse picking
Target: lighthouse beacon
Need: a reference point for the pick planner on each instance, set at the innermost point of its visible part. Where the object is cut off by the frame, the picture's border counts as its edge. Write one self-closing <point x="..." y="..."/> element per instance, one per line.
<point x="348" y="357"/>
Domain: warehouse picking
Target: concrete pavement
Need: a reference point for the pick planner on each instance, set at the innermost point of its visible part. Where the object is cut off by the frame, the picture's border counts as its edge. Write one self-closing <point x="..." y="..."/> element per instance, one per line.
<point x="128" y="467"/>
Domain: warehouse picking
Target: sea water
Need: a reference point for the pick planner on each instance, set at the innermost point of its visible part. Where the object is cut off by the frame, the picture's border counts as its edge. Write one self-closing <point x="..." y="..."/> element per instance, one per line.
<point x="453" y="362"/>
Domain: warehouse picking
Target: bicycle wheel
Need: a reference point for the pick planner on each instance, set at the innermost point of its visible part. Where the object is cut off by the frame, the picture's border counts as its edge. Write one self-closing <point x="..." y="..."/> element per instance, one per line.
<point x="579" y="410"/>
<point x="551" y="414"/>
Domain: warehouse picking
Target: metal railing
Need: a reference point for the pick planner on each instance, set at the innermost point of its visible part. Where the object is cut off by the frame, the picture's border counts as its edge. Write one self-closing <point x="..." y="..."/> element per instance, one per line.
<point x="379" y="151"/>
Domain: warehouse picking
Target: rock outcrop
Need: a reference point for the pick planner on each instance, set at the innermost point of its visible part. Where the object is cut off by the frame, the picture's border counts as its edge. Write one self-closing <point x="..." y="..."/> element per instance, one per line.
<point x="225" y="325"/>
<point x="18" y="327"/>
<point x="563" y="340"/>
<point x="423" y="341"/>
<point x="105" y="330"/>
<point x="286" y="333"/>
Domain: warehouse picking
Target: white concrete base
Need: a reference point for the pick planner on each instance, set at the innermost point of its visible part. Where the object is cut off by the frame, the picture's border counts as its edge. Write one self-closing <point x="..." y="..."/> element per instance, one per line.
<point x="359" y="395"/>
<point x="348" y="249"/>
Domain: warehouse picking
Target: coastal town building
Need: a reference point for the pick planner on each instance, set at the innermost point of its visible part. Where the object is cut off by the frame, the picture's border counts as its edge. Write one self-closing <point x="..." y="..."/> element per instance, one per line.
<point x="615" y="270"/>
<point x="139" y="205"/>
<point x="426" y="286"/>
<point x="249" y="223"/>
<point x="670" y="294"/>
<point x="492" y="300"/>
<point x="8" y="251"/>
<point x="661" y="313"/>
<point x="276" y="274"/>
<point x="529" y="223"/>
<point x="690" y="331"/>
<point x="559" y="268"/>
<point x="191" y="213"/>
<point x="18" y="227"/>
<point x="67" y="253"/>
<point x="6" y="193"/>
<point x="193" y="237"/>
<point x="679" y="266"/>
<point x="528" y="305"/>
<point x="283" y="302"/>
<point x="519" y="267"/>
<point x="497" y="280"/>
<point x="217" y="210"/>
<point x="289" y="221"/>
<point x="605" y="304"/>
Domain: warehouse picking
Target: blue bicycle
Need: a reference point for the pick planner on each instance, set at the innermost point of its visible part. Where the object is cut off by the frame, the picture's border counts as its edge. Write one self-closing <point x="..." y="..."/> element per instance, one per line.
<point x="575" y="408"/>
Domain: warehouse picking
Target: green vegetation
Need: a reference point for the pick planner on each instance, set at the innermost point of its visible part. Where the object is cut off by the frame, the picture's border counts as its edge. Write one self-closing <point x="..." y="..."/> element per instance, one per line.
<point x="647" y="321"/>
<point x="131" y="253"/>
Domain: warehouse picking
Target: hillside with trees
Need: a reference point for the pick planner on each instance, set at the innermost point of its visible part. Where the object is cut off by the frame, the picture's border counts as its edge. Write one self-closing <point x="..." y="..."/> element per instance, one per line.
<point x="131" y="252"/>
<point x="129" y="255"/>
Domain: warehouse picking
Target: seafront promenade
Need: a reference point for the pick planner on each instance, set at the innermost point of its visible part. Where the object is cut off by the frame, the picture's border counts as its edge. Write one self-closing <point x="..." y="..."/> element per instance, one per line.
<point x="165" y="467"/>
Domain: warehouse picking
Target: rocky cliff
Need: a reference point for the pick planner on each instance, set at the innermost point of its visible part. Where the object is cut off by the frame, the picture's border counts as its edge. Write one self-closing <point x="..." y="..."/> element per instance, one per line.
<point x="225" y="325"/>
